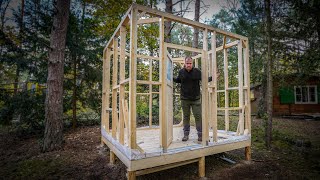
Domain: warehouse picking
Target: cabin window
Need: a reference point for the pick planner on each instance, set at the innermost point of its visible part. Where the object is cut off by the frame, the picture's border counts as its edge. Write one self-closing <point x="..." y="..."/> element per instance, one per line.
<point x="305" y="94"/>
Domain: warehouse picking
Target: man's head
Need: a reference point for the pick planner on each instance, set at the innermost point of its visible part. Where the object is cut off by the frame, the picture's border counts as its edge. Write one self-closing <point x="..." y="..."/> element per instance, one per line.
<point x="188" y="63"/>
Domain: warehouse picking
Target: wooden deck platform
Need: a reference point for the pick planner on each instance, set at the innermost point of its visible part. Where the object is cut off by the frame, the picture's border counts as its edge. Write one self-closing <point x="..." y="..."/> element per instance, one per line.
<point x="152" y="155"/>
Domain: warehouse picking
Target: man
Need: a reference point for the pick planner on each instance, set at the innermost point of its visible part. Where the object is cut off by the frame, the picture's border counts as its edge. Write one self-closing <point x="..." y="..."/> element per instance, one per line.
<point x="190" y="78"/>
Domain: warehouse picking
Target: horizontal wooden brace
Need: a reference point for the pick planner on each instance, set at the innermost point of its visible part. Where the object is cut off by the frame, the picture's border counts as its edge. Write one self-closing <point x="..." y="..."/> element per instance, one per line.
<point x="229" y="45"/>
<point x="115" y="87"/>
<point x="148" y="20"/>
<point x="125" y="81"/>
<point x="230" y="108"/>
<point x="144" y="93"/>
<point x="175" y="46"/>
<point x="164" y="167"/>
<point x="147" y="57"/>
<point x="126" y="53"/>
<point x="148" y="82"/>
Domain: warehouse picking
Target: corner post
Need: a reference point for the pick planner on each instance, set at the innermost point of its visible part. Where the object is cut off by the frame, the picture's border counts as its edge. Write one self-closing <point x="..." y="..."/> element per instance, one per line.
<point x="214" y="90"/>
<point x="162" y="103"/>
<point x="202" y="167"/>
<point x="248" y="153"/>
<point x="205" y="94"/>
<point x="133" y="79"/>
<point x="112" y="157"/>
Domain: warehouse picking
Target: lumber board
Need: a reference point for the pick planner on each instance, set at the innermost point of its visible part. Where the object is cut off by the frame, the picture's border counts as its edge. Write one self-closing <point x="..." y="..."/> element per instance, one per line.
<point x="240" y="75"/>
<point x="150" y="94"/>
<point x="164" y="167"/>
<point x="162" y="100"/>
<point x="185" y="155"/>
<point x="202" y="167"/>
<point x="148" y="82"/>
<point x="214" y="90"/>
<point x="186" y="21"/>
<point x="133" y="80"/>
<point x="147" y="57"/>
<point x="114" y="91"/>
<point x="226" y="86"/>
<point x="204" y="93"/>
<point x="181" y="47"/>
<point x="122" y="78"/>
<point x="148" y="20"/>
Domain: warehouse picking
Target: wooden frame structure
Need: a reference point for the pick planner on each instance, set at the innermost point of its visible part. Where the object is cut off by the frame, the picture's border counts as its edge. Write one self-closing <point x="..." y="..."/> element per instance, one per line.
<point x="119" y="97"/>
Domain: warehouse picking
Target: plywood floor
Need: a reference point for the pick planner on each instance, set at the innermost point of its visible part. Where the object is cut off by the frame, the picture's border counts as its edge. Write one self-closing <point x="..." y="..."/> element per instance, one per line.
<point x="149" y="140"/>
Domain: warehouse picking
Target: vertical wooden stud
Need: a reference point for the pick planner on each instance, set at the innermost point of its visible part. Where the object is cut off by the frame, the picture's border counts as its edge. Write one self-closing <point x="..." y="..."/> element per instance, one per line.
<point x="114" y="91"/>
<point x="210" y="91"/>
<point x="162" y="103"/>
<point x="204" y="80"/>
<point x="150" y="93"/>
<point x="126" y="116"/>
<point x="133" y="79"/>
<point x="240" y="75"/>
<point x="214" y="90"/>
<point x="106" y="90"/>
<point x="107" y="81"/>
<point x="122" y="77"/>
<point x="103" y="105"/>
<point x="226" y="92"/>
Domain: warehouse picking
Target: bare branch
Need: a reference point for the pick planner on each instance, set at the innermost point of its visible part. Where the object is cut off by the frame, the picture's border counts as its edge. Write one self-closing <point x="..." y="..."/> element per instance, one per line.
<point x="3" y="12"/>
<point x="173" y="4"/>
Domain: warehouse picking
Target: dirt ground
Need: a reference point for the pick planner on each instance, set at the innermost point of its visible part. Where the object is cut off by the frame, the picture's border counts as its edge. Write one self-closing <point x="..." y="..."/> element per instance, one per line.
<point x="295" y="154"/>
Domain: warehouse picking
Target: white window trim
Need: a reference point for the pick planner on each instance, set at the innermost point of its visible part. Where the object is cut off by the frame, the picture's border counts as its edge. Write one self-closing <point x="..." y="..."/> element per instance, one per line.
<point x="308" y="86"/>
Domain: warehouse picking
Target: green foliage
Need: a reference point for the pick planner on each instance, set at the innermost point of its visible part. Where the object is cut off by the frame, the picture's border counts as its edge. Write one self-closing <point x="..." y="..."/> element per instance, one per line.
<point x="143" y="107"/>
<point x="27" y="110"/>
<point x="223" y="20"/>
<point x="257" y="138"/>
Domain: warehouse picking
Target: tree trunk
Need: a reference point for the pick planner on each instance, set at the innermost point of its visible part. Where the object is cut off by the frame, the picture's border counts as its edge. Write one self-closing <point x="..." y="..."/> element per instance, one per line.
<point x="74" y="94"/>
<point x="196" y="30"/>
<point x="269" y="76"/>
<point x="167" y="24"/>
<point x="16" y="79"/>
<point x="262" y="106"/>
<point x="53" y="136"/>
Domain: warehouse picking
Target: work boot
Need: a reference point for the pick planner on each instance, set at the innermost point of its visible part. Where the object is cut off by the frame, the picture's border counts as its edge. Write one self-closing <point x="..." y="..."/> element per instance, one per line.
<point x="200" y="138"/>
<point x="185" y="138"/>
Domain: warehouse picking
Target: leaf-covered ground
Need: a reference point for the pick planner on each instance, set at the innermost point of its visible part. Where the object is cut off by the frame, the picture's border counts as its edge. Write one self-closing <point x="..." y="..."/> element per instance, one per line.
<point x="295" y="154"/>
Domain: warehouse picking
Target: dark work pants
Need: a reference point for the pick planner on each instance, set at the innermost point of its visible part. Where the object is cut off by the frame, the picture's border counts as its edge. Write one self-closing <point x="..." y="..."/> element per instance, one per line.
<point x="196" y="110"/>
